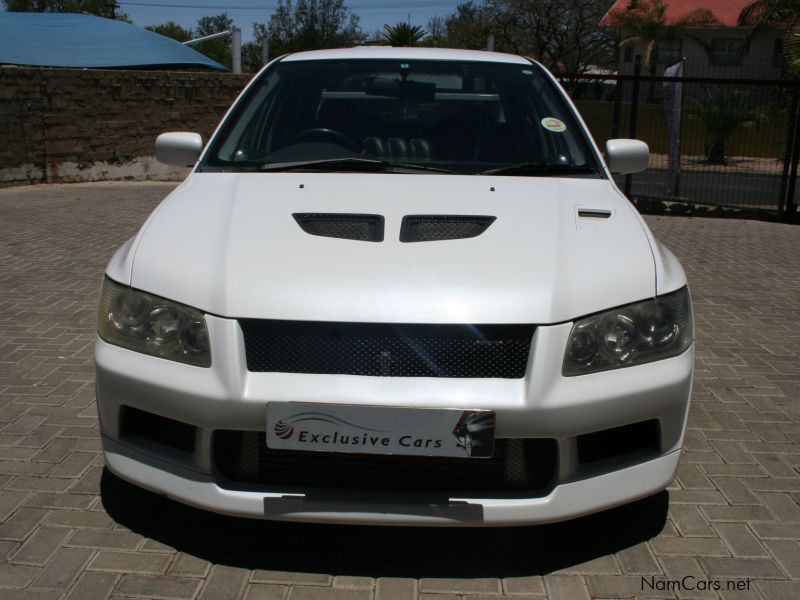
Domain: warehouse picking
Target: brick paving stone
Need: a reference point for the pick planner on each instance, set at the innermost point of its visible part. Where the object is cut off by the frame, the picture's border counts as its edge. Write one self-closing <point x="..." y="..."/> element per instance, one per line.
<point x="83" y="519"/>
<point x="787" y="553"/>
<point x="524" y="586"/>
<point x="22" y="523"/>
<point x="16" y="576"/>
<point x="45" y="484"/>
<point x="757" y="568"/>
<point x="291" y="578"/>
<point x="779" y="590"/>
<point x="93" y="538"/>
<point x="638" y="559"/>
<point x="439" y="597"/>
<point x="680" y="546"/>
<point x="566" y="587"/>
<point x="782" y="506"/>
<point x="62" y="569"/>
<point x="40" y="546"/>
<point x="186" y="565"/>
<point x="303" y="592"/>
<point x="740" y="540"/>
<point x="130" y="562"/>
<point x="63" y="500"/>
<point x="93" y="586"/>
<point x="224" y="582"/>
<point x="261" y="591"/>
<point x="9" y="501"/>
<point x="395" y="588"/>
<point x="623" y="586"/>
<point x="156" y="587"/>
<point x="352" y="582"/>
<point x="459" y="586"/>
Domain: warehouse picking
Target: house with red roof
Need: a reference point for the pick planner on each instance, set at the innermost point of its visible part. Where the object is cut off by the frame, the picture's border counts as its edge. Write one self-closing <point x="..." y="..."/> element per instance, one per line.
<point x="706" y="33"/>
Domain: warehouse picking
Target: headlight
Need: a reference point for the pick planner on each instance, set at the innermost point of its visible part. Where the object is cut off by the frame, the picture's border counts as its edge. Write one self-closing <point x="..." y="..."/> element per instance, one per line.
<point x="152" y="325"/>
<point x="631" y="335"/>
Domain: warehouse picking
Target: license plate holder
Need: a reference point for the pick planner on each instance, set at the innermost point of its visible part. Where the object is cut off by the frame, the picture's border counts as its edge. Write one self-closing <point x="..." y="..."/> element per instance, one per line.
<point x="367" y="429"/>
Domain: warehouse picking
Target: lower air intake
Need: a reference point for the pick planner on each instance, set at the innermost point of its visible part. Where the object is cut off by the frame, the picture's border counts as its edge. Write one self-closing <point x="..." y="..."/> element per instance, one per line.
<point x="431" y="228"/>
<point x="387" y="350"/>
<point x="364" y="228"/>
<point x="517" y="465"/>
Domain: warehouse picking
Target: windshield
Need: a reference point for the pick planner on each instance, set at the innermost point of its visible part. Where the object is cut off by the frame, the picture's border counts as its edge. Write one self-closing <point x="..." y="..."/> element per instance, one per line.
<point x="405" y="116"/>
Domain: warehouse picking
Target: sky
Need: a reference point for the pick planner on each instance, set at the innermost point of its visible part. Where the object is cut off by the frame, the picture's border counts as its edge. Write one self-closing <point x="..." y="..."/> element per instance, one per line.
<point x="373" y="13"/>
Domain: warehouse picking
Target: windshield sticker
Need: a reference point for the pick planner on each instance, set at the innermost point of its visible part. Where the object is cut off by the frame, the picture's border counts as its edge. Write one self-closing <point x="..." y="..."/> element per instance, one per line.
<point x="553" y="124"/>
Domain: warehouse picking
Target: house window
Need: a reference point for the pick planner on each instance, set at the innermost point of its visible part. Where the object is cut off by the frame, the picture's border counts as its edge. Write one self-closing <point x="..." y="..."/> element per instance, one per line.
<point x="628" y="53"/>
<point x="726" y="52"/>
<point x="669" y="51"/>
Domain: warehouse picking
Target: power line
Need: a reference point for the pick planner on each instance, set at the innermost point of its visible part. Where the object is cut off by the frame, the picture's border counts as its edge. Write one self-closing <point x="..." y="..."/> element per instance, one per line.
<point x="401" y="4"/>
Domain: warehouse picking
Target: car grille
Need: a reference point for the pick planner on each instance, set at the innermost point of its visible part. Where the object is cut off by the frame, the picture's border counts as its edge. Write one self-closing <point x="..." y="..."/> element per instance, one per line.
<point x="517" y="465"/>
<point x="387" y="350"/>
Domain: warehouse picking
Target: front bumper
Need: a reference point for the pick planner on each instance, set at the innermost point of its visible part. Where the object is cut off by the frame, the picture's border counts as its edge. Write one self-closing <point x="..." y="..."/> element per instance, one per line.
<point x="541" y="405"/>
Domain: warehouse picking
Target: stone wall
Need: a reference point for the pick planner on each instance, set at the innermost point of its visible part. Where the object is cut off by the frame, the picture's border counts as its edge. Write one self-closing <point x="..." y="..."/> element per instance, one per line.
<point x="60" y="125"/>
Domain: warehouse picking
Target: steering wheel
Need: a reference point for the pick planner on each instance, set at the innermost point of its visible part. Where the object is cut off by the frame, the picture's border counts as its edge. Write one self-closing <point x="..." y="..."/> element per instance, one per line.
<point x="325" y="132"/>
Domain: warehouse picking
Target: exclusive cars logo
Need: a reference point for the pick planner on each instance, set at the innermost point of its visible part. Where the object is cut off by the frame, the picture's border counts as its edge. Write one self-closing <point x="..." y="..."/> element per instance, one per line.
<point x="285" y="429"/>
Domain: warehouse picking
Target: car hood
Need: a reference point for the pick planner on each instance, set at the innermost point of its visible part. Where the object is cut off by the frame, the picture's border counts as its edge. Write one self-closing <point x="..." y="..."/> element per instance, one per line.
<point x="558" y="249"/>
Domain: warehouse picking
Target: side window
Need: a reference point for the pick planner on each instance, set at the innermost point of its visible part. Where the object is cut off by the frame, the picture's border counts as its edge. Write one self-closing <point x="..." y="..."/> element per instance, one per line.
<point x="726" y="52"/>
<point x="669" y="51"/>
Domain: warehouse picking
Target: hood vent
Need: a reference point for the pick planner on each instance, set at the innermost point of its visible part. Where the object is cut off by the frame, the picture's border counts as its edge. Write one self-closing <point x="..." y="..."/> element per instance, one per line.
<point x="364" y="228"/>
<point x="431" y="228"/>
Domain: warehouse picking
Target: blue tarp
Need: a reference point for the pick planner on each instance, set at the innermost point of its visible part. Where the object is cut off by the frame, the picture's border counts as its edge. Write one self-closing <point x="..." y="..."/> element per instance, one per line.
<point x="86" y="41"/>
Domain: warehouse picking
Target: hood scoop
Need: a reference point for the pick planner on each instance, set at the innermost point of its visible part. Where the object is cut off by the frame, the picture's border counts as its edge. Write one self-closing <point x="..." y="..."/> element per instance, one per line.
<point x="363" y="228"/>
<point x="431" y="228"/>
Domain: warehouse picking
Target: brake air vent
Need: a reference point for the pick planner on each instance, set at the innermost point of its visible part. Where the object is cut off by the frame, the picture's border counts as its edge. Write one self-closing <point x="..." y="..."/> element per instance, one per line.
<point x="364" y="228"/>
<point x="431" y="228"/>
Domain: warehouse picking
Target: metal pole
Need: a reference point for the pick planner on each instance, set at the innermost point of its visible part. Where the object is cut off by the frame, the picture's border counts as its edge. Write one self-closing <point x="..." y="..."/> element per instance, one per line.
<point x="490" y="43"/>
<point x="790" y="207"/>
<point x="637" y="72"/>
<point x="264" y="51"/>
<point x="236" y="49"/>
<point x="787" y="159"/>
<point x="617" y="108"/>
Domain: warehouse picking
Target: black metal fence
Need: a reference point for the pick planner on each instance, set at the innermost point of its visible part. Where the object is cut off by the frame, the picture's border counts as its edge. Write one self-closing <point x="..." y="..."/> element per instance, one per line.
<point x="735" y="141"/>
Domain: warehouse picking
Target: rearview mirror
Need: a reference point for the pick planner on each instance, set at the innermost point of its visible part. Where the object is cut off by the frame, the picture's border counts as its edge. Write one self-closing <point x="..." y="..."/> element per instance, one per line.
<point x="627" y="156"/>
<point x="179" y="148"/>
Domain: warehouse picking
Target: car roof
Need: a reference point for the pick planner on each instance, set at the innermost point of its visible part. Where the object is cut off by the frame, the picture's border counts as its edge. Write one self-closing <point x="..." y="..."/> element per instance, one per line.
<point x="389" y="52"/>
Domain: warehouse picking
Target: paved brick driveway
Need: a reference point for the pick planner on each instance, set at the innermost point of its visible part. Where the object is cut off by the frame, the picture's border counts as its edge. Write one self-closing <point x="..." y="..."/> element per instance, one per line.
<point x="67" y="529"/>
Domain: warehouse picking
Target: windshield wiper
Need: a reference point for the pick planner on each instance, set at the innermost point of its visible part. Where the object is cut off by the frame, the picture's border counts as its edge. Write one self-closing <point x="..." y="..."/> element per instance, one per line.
<point x="533" y="168"/>
<point x="353" y="163"/>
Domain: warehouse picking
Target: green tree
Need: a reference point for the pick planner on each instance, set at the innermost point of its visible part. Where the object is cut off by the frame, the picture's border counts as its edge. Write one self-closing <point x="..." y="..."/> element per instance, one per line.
<point x="723" y="113"/>
<point x="220" y="48"/>
<point x="781" y="13"/>
<point x="251" y="57"/>
<point x="309" y="25"/>
<point x="172" y="30"/>
<point x="101" y="8"/>
<point x="403" y="34"/>
<point x="468" y="27"/>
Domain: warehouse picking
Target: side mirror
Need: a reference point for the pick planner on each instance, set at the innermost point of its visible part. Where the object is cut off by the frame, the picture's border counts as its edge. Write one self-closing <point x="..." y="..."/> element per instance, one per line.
<point x="179" y="148"/>
<point x="627" y="156"/>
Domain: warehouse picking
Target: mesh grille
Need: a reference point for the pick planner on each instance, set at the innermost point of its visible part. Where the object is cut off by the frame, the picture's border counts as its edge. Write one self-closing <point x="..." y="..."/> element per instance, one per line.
<point x="430" y="228"/>
<point x="517" y="465"/>
<point x="387" y="350"/>
<point x="364" y="228"/>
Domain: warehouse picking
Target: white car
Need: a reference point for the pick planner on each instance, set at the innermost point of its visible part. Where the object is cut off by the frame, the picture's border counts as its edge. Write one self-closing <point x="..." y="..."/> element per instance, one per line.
<point x="399" y="286"/>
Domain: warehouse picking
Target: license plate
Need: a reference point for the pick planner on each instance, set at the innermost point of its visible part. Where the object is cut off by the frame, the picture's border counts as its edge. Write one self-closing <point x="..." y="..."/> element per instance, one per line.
<point x="380" y="429"/>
